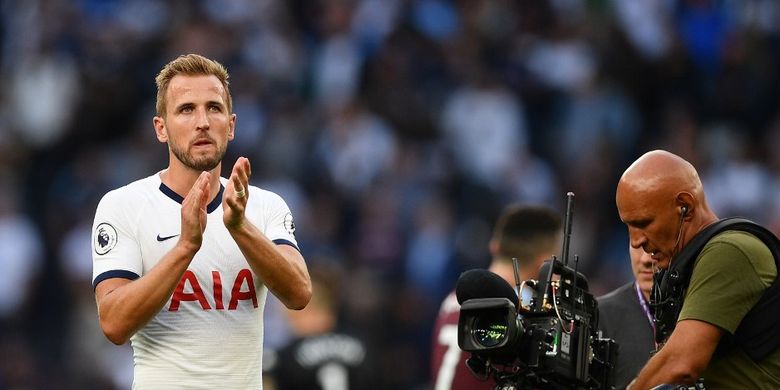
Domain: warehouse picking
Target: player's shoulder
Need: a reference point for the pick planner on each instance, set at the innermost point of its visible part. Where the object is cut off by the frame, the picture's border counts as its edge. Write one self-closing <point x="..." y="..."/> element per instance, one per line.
<point x="267" y="201"/>
<point x="132" y="193"/>
<point x="265" y="196"/>
<point x="258" y="194"/>
<point x="449" y="304"/>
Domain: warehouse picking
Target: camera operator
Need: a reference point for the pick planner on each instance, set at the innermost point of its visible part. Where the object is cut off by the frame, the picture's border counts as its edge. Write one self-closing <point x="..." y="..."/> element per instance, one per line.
<point x="528" y="233"/>
<point x="624" y="316"/>
<point x="661" y="200"/>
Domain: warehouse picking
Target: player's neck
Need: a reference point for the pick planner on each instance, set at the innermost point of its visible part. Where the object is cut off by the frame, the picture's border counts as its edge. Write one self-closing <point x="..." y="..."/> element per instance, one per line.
<point x="180" y="178"/>
<point x="504" y="269"/>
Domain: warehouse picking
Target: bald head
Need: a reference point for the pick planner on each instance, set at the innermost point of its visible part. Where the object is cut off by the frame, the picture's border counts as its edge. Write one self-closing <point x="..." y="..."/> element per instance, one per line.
<point x="661" y="171"/>
<point x="655" y="196"/>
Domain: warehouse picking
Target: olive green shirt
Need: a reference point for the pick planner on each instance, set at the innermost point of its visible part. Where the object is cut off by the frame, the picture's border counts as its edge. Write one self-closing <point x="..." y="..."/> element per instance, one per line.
<point x="729" y="276"/>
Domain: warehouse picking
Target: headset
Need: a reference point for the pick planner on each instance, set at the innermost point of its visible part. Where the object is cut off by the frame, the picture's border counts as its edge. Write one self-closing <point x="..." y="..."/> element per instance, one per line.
<point x="658" y="298"/>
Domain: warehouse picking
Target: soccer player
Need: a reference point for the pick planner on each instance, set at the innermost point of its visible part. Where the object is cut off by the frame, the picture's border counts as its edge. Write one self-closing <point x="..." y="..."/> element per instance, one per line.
<point x="322" y="356"/>
<point x="528" y="233"/>
<point x="183" y="259"/>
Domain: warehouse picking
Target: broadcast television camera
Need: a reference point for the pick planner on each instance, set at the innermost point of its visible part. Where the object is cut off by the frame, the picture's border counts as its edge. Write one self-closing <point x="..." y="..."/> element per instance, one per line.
<point x="550" y="341"/>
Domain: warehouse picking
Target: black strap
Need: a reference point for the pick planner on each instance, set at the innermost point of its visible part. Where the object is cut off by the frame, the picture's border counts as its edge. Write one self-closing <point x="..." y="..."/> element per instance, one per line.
<point x="759" y="332"/>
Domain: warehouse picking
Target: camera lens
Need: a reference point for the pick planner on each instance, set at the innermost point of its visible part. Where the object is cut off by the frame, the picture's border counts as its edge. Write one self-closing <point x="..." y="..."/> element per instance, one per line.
<point x="490" y="330"/>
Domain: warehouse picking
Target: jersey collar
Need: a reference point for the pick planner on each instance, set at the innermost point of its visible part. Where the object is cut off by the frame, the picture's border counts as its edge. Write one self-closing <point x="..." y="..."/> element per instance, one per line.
<point x="178" y="198"/>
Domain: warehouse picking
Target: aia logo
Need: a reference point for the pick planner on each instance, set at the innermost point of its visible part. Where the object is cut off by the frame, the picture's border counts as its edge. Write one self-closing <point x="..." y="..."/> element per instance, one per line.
<point x="243" y="289"/>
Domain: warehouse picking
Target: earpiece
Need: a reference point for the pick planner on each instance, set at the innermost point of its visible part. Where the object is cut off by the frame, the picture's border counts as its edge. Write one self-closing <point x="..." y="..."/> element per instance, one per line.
<point x="683" y="211"/>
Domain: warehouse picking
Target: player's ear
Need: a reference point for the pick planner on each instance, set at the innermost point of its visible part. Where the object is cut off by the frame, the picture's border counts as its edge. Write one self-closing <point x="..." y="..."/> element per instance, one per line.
<point x="232" y="127"/>
<point x="493" y="247"/>
<point x="160" y="129"/>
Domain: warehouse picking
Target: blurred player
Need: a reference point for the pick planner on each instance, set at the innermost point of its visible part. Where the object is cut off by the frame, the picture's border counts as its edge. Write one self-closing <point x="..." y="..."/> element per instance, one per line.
<point x="320" y="357"/>
<point x="528" y="233"/>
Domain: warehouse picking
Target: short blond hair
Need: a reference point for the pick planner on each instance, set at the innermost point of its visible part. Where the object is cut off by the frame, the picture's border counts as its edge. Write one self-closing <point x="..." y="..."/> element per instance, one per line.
<point x="190" y="65"/>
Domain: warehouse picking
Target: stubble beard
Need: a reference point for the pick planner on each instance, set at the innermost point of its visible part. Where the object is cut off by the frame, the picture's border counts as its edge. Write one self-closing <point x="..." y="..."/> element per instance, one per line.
<point x="204" y="163"/>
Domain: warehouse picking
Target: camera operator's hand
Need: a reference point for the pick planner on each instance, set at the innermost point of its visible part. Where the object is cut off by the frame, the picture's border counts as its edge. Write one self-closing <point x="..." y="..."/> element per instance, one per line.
<point x="697" y="386"/>
<point x="685" y="355"/>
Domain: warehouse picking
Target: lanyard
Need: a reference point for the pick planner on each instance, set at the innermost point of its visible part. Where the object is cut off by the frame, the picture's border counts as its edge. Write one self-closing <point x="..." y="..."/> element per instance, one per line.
<point x="645" y="308"/>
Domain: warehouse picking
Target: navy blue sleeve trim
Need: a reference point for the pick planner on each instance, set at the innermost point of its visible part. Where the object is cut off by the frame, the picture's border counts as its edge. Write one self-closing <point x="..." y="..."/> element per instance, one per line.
<point x="117" y="273"/>
<point x="282" y="241"/>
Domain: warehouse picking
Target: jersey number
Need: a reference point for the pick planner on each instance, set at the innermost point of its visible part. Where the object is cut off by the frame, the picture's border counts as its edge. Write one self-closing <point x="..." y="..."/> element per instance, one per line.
<point x="333" y="376"/>
<point x="448" y="336"/>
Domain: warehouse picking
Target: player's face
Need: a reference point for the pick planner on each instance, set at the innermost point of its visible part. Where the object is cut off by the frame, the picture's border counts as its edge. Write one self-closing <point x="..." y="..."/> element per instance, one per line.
<point x="642" y="266"/>
<point x="197" y="125"/>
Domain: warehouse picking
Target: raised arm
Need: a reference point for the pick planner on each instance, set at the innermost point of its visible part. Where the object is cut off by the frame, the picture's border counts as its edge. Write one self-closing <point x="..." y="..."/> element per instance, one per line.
<point x="281" y="267"/>
<point x="124" y="306"/>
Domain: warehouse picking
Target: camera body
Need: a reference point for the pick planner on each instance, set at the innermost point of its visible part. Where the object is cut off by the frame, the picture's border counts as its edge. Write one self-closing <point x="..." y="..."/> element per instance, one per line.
<point x="543" y="334"/>
<point x="550" y="342"/>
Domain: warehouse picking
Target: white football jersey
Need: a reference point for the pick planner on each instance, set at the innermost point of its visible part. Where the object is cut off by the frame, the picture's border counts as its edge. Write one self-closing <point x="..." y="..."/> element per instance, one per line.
<point x="209" y="334"/>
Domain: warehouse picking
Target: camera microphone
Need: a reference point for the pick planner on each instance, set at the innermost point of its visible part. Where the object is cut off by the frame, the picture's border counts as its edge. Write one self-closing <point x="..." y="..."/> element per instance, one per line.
<point x="481" y="283"/>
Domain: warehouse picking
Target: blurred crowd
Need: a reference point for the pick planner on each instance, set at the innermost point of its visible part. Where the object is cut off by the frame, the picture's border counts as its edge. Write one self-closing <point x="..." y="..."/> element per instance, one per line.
<point x="395" y="129"/>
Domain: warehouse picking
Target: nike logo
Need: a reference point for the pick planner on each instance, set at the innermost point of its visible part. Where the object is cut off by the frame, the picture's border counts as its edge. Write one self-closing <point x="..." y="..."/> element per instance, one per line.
<point x="161" y="239"/>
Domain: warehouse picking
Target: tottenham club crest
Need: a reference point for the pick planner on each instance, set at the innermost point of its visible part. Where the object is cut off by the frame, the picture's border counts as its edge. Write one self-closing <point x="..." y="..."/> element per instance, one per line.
<point x="289" y="225"/>
<point x="104" y="238"/>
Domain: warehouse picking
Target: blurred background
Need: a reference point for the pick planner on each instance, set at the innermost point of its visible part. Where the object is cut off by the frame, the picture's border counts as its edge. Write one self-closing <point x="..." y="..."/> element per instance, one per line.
<point x="395" y="129"/>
